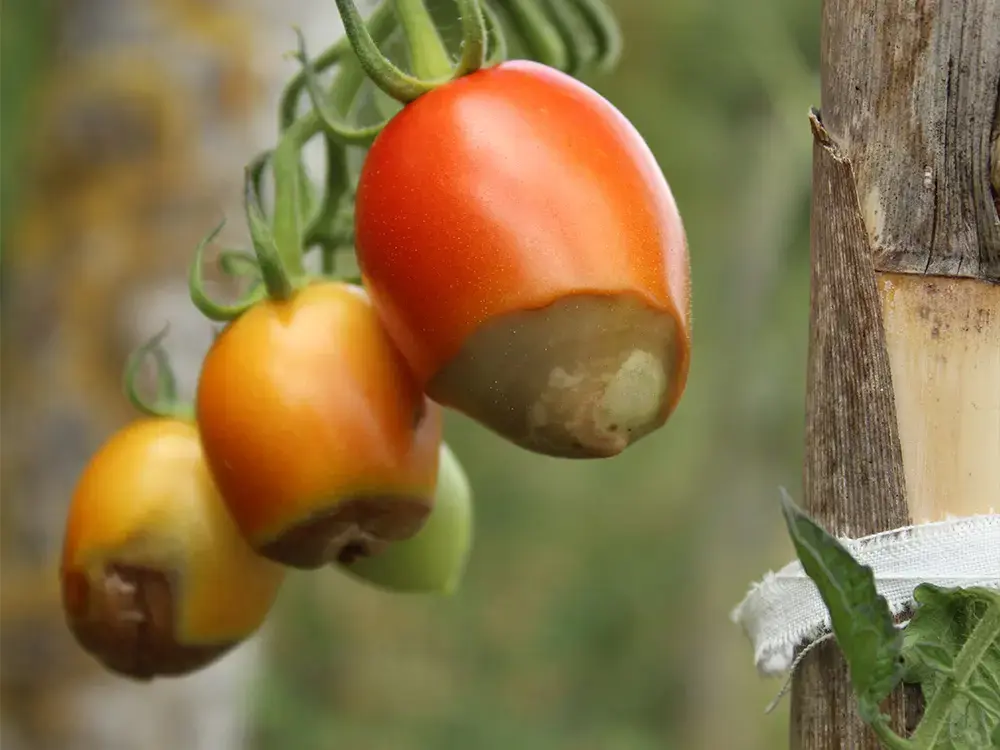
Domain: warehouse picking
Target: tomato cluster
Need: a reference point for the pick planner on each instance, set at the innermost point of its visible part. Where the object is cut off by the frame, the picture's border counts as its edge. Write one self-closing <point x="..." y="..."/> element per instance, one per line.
<point x="522" y="262"/>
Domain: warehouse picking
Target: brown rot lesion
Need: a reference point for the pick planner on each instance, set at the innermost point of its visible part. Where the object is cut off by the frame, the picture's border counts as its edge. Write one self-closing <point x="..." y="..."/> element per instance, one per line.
<point x="583" y="377"/>
<point x="349" y="530"/>
<point x="126" y="615"/>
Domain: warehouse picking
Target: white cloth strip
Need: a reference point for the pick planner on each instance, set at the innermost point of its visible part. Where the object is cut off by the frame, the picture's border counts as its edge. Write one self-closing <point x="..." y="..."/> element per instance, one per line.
<point x="785" y="611"/>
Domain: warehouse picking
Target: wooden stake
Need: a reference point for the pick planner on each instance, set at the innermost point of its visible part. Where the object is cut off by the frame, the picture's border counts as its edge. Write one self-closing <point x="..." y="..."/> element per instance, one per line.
<point x="903" y="406"/>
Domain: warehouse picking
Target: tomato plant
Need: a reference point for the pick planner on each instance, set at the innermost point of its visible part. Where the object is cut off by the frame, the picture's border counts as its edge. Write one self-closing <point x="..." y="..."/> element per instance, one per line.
<point x="525" y="253"/>
<point x="558" y="317"/>
<point x="320" y="440"/>
<point x="156" y="578"/>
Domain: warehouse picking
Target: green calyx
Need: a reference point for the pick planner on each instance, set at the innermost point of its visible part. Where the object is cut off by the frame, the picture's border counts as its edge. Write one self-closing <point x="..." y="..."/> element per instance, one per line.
<point x="434" y="560"/>
<point x="165" y="402"/>
<point x="275" y="269"/>
<point x="208" y="307"/>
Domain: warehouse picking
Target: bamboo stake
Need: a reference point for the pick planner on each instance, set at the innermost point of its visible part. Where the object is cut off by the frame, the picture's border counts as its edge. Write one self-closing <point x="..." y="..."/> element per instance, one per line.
<point x="903" y="406"/>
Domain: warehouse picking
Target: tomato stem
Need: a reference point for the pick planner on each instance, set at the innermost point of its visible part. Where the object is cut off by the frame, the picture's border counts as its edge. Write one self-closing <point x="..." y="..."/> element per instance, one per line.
<point x="286" y="234"/>
<point x="428" y="55"/>
<point x="322" y="229"/>
<point x="276" y="261"/>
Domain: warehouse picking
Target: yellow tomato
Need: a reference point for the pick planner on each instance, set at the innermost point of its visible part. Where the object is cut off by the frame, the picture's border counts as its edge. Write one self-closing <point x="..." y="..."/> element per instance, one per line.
<point x="156" y="578"/>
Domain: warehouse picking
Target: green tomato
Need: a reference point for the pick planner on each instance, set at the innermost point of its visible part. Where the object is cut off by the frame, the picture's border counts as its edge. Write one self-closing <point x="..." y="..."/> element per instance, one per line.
<point x="433" y="561"/>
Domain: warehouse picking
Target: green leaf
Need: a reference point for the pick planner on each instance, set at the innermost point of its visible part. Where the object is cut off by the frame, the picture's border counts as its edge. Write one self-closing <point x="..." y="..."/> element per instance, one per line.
<point x="952" y="649"/>
<point x="929" y="654"/>
<point x="861" y="620"/>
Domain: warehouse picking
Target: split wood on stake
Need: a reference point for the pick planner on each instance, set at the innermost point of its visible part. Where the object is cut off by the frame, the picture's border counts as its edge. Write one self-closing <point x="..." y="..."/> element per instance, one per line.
<point x="903" y="405"/>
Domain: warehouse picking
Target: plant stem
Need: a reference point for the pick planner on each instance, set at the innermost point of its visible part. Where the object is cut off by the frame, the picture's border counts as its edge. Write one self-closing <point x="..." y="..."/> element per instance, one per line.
<point x="889" y="738"/>
<point x="428" y="55"/>
<point x="984" y="635"/>
<point x="342" y="95"/>
<point x="285" y="164"/>
<point x="287" y="225"/>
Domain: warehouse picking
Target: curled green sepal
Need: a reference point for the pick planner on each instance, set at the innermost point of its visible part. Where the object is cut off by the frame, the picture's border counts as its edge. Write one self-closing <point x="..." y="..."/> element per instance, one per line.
<point x="290" y="96"/>
<point x="604" y="25"/>
<point x="393" y="81"/>
<point x="337" y="127"/>
<point x="165" y="403"/>
<point x="580" y="39"/>
<point x="238" y="264"/>
<point x="276" y="279"/>
<point x="380" y="24"/>
<point x="536" y="32"/>
<point x="256" y="169"/>
<point x="473" y="38"/>
<point x="196" y="285"/>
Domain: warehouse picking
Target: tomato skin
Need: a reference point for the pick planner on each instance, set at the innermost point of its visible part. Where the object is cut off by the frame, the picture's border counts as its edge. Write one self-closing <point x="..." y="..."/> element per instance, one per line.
<point x="504" y="191"/>
<point x="315" y="429"/>
<point x="156" y="578"/>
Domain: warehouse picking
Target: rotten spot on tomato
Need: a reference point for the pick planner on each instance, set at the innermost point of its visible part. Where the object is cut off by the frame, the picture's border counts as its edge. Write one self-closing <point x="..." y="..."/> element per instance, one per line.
<point x="352" y="529"/>
<point x="124" y="616"/>
<point x="584" y="377"/>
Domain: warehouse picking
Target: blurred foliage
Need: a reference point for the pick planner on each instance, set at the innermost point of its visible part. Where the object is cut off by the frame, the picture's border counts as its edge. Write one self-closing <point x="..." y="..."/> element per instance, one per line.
<point x="22" y="58"/>
<point x="595" y="612"/>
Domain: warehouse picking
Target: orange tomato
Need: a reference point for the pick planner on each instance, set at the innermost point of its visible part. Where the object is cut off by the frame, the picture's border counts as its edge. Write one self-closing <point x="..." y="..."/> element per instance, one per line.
<point x="526" y="255"/>
<point x="156" y="578"/>
<point x="317" y="434"/>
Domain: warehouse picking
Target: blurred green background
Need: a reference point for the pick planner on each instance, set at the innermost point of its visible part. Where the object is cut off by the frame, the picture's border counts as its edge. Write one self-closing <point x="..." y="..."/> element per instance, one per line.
<point x="595" y="609"/>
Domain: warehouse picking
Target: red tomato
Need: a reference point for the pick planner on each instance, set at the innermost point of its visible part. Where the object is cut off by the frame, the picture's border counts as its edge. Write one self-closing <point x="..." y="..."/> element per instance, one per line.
<point x="156" y="578"/>
<point x="526" y="255"/>
<point x="319" y="438"/>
